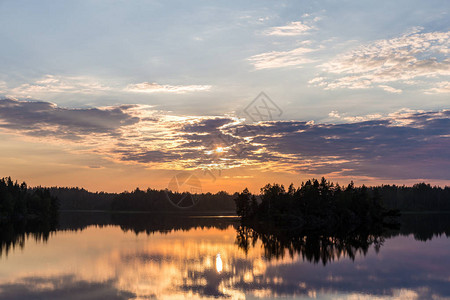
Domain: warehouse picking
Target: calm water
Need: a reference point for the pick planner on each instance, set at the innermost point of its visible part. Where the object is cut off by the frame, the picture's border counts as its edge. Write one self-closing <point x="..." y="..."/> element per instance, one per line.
<point x="101" y="256"/>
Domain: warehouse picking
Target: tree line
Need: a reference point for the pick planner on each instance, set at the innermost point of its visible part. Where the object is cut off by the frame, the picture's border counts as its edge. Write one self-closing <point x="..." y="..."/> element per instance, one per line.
<point x="142" y="200"/>
<point x="164" y="200"/>
<point x="18" y="202"/>
<point x="419" y="197"/>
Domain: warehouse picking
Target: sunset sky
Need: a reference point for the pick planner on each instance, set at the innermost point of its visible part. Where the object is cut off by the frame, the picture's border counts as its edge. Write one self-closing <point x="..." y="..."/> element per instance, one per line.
<point x="114" y="95"/>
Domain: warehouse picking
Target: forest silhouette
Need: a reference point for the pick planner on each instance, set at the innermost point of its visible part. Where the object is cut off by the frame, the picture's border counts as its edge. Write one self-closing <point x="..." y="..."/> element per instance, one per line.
<point x="419" y="197"/>
<point x="314" y="205"/>
<point x="18" y="202"/>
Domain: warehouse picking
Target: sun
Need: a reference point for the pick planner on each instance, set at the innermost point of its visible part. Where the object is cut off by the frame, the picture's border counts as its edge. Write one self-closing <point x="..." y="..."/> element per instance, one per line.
<point x="219" y="149"/>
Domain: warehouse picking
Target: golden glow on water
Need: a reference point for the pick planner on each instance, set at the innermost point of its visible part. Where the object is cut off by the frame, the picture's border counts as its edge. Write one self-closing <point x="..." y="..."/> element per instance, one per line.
<point x="148" y="266"/>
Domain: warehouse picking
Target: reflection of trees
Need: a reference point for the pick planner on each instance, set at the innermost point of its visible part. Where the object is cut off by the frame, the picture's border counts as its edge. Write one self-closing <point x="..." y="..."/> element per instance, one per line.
<point x="325" y="246"/>
<point x="424" y="226"/>
<point x="150" y="223"/>
<point x="141" y="222"/>
<point x="14" y="234"/>
<point x="313" y="246"/>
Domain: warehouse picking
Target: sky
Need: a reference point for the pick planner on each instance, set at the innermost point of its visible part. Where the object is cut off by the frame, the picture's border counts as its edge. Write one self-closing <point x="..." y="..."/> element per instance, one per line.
<point x="114" y="95"/>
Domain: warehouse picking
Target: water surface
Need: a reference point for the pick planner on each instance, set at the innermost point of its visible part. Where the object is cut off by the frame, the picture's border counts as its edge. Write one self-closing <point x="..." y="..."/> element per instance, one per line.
<point x="145" y="256"/>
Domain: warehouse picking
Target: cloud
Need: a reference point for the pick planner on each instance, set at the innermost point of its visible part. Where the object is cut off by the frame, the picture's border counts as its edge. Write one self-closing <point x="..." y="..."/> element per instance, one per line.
<point x="406" y="144"/>
<point x="53" y="84"/>
<point x="147" y="87"/>
<point x="352" y="119"/>
<point x="58" y="84"/>
<point x="289" y="58"/>
<point x="291" y="29"/>
<point x="2" y="86"/>
<point x="442" y="87"/>
<point x="280" y="59"/>
<point x="397" y="60"/>
<point x="146" y="156"/>
<point x="39" y="118"/>
<point x="390" y="89"/>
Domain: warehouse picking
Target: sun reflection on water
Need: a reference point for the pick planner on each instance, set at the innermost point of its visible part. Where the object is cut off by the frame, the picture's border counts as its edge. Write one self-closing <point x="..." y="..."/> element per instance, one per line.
<point x="218" y="263"/>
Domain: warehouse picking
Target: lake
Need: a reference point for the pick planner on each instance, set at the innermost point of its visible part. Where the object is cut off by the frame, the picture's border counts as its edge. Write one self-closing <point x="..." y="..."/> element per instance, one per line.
<point x="149" y="256"/>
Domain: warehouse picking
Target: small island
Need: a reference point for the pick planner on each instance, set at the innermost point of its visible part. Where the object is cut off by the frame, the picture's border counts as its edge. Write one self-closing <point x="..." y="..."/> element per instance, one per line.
<point x="315" y="205"/>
